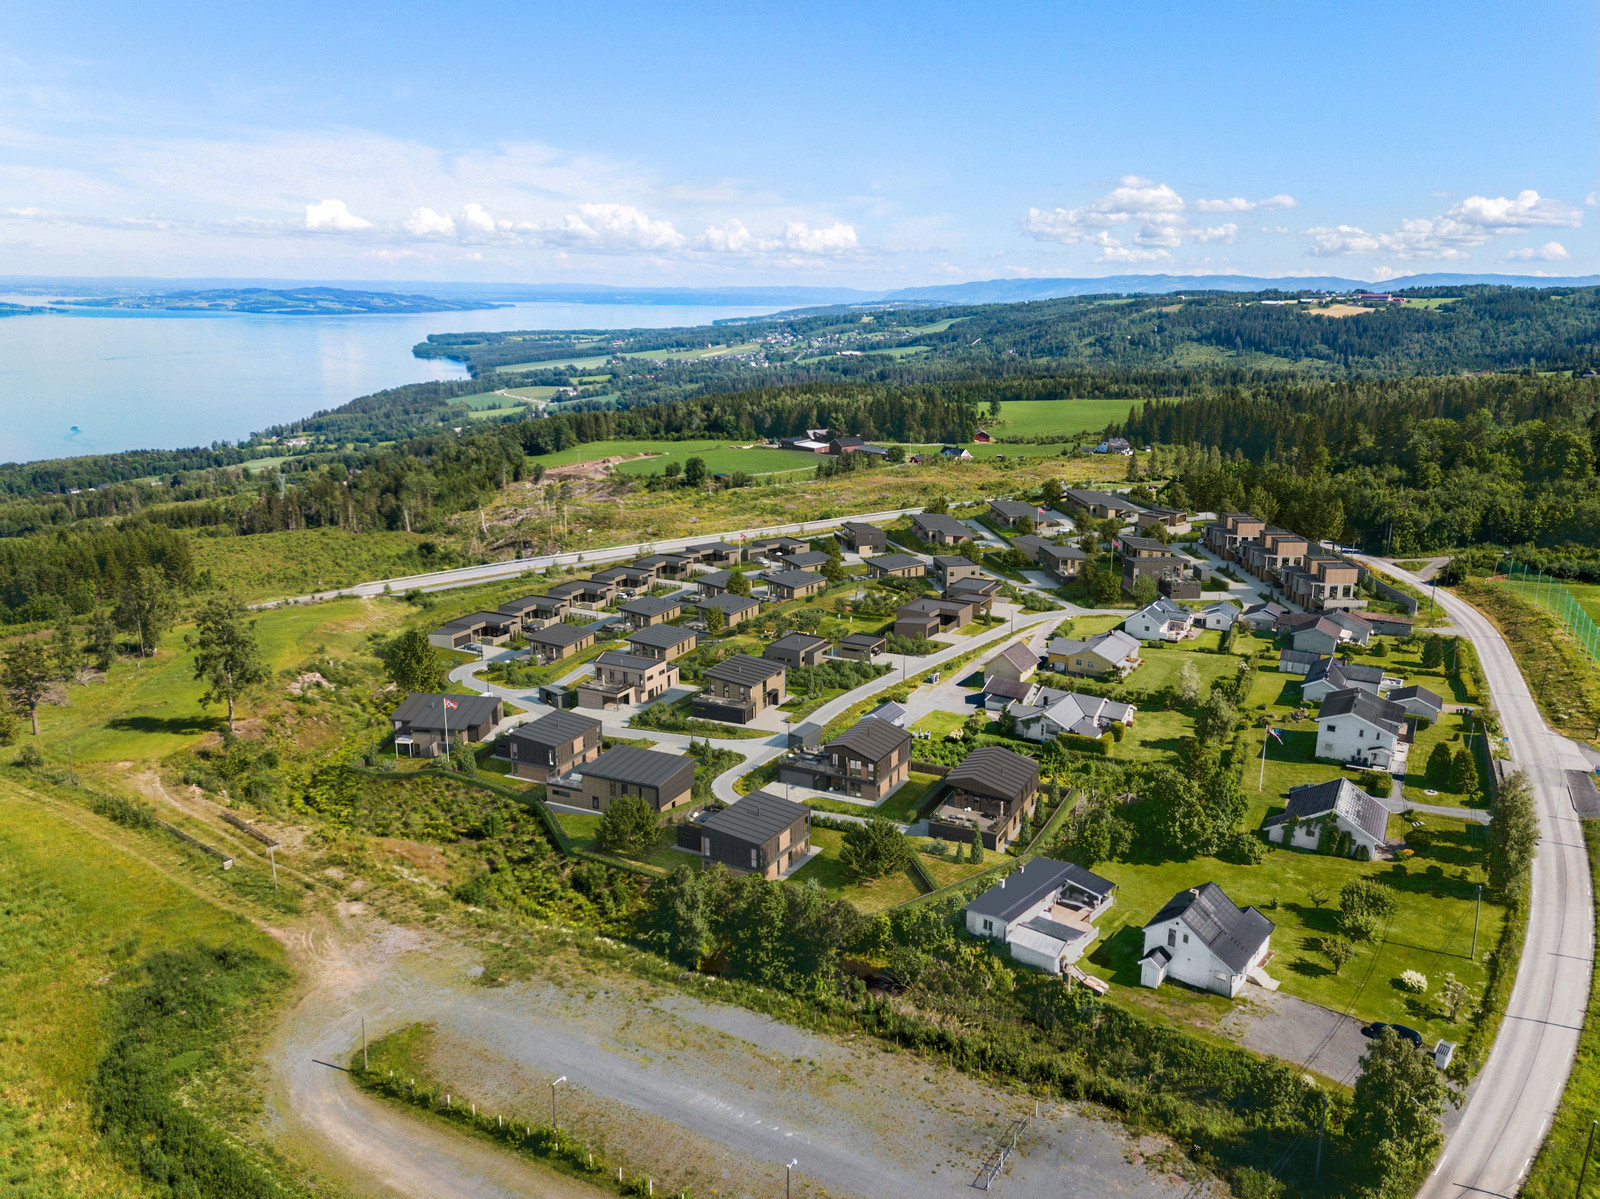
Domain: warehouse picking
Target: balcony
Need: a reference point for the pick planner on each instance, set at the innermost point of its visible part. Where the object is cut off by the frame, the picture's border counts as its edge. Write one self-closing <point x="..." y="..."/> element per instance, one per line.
<point x="727" y="710"/>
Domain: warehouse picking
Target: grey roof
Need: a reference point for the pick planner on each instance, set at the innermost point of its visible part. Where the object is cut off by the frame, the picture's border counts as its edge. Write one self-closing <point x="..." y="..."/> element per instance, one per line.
<point x="1065" y="933"/>
<point x="715" y="547"/>
<point x="895" y="562"/>
<point x="1038" y="878"/>
<point x="980" y="586"/>
<point x="798" y="641"/>
<point x="1016" y="508"/>
<point x="1020" y="656"/>
<point x="1115" y="646"/>
<point x="808" y="558"/>
<point x="555" y="729"/>
<point x="661" y="636"/>
<point x="651" y="561"/>
<point x="949" y="561"/>
<point x="1336" y="795"/>
<point x="1233" y="933"/>
<point x="862" y="640"/>
<point x="731" y="604"/>
<point x="872" y="738"/>
<point x="745" y="670"/>
<point x="940" y="522"/>
<point x="1043" y="545"/>
<point x="1303" y="657"/>
<point x="1343" y="674"/>
<point x="1088" y="497"/>
<point x="652" y="605"/>
<point x="757" y="818"/>
<point x="925" y="606"/>
<point x="859" y="529"/>
<point x="559" y="635"/>
<point x="520" y="607"/>
<point x="1145" y="545"/>
<point x="713" y="578"/>
<point x="1417" y="693"/>
<point x="425" y="710"/>
<point x="616" y="657"/>
<point x="995" y="771"/>
<point x="570" y="588"/>
<point x="1365" y="705"/>
<point x="642" y="767"/>
<point x="889" y="711"/>
<point x="1008" y="688"/>
<point x="794" y="578"/>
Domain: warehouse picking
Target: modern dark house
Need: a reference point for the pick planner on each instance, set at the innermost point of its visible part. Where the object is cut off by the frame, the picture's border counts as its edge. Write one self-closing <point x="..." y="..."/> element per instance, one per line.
<point x="990" y="791"/>
<point x="716" y="553"/>
<point x="951" y="567"/>
<point x="938" y="528"/>
<point x="663" y="641"/>
<point x="425" y="722"/>
<point x="651" y="609"/>
<point x="868" y="761"/>
<point x="788" y="585"/>
<point x="897" y="566"/>
<point x="621" y="679"/>
<point x="980" y="592"/>
<point x="797" y="649"/>
<point x="713" y="582"/>
<point x="486" y="628"/>
<point x="807" y="560"/>
<point x="861" y="538"/>
<point x="557" y="641"/>
<point x="525" y="610"/>
<point x="740" y="688"/>
<point x="758" y="834"/>
<point x="925" y="617"/>
<point x="862" y="647"/>
<point x="736" y="609"/>
<point x="553" y="744"/>
<point x="666" y="781"/>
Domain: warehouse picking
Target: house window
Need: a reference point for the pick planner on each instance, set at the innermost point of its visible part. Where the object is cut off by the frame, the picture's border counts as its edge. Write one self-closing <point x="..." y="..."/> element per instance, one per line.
<point x="1172" y="938"/>
<point x="1332" y="728"/>
<point x="753" y="859"/>
<point x="1185" y="938"/>
<point x="596" y="803"/>
<point x="988" y="926"/>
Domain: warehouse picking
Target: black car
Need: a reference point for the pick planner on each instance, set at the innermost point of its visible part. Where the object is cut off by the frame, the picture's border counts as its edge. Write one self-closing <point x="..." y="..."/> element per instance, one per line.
<point x="1375" y="1031"/>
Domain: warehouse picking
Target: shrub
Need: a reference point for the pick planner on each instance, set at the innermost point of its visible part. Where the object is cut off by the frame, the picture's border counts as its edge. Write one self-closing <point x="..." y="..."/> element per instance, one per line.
<point x="1376" y="782"/>
<point x="1243" y="849"/>
<point x="29" y="758"/>
<point x="628" y="825"/>
<point x="1337" y="952"/>
<point x="1414" y="981"/>
<point x="873" y="848"/>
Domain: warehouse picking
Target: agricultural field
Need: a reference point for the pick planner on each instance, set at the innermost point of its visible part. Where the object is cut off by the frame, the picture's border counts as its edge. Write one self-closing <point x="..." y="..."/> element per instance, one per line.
<point x="585" y="363"/>
<point x="721" y="457"/>
<point x="1056" y="418"/>
<point x="720" y="351"/>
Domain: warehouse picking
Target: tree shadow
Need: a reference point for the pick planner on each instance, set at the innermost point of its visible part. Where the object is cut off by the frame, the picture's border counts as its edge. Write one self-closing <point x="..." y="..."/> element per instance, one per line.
<point x="1309" y="969"/>
<point x="178" y="726"/>
<point x="1315" y="919"/>
<point x="1120" y="953"/>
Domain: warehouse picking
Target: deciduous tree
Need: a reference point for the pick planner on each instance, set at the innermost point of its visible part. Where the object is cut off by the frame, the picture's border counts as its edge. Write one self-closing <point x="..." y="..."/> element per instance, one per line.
<point x="628" y="826"/>
<point x="227" y="656"/>
<point x="27" y="675"/>
<point x="412" y="664"/>
<point x="146" y="607"/>
<point x="1395" y="1110"/>
<point x="1513" y="835"/>
<point x="873" y="848"/>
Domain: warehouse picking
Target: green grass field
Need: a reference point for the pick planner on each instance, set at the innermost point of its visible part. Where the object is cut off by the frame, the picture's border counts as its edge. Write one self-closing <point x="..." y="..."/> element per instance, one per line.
<point x="271" y="565"/>
<point x="940" y="724"/>
<point x="1055" y="418"/>
<point x="719" y="351"/>
<point x="721" y="457"/>
<point x="585" y="828"/>
<point x="77" y="909"/>
<point x="829" y="873"/>
<point x="590" y="362"/>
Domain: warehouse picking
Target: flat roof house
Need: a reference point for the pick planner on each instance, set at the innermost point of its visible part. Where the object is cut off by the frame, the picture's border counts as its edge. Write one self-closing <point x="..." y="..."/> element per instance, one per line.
<point x="621" y="679"/>
<point x="456" y="634"/>
<point x="1063" y="561"/>
<point x="717" y="553"/>
<point x="862" y="647"/>
<point x="797" y="649"/>
<point x="713" y="581"/>
<point x="651" y="609"/>
<point x="868" y="760"/>
<point x="758" y="834"/>
<point x="979" y="591"/>
<point x="788" y="585"/>
<point x="1044" y="912"/>
<point x="1224" y="537"/>
<point x="950" y="567"/>
<point x="1201" y="937"/>
<point x="663" y="641"/>
<point x="773" y="547"/>
<point x="557" y="641"/>
<point x="553" y="744"/>
<point x="426" y="722"/>
<point x="1100" y="504"/>
<point x="990" y="792"/>
<point x="1175" y="519"/>
<point x="666" y="781"/>
<point x="524" y="610"/>
<point x="1317" y="810"/>
<point x="740" y="688"/>
<point x="924" y="618"/>
<point x="861" y="538"/>
<point x="586" y="591"/>
<point x="1105" y="653"/>
<point x="736" y="609"/>
<point x="550" y="607"/>
<point x="898" y="566"/>
<point x="939" y="528"/>
<point x="806" y="560"/>
<point x="1010" y="513"/>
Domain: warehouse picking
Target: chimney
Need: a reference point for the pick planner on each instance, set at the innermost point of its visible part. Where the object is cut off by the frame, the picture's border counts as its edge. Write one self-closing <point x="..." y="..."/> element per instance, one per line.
<point x="1195" y="891"/>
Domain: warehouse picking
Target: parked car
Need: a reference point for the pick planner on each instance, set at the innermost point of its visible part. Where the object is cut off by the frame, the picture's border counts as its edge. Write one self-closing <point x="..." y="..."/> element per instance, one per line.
<point x="1375" y="1030"/>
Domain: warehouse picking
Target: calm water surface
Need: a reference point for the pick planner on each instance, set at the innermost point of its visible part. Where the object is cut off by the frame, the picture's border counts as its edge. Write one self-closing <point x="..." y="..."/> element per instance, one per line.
<point x="163" y="380"/>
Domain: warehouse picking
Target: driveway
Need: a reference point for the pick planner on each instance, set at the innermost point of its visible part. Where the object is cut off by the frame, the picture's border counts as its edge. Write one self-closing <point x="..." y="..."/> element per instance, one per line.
<point x="1313" y="1037"/>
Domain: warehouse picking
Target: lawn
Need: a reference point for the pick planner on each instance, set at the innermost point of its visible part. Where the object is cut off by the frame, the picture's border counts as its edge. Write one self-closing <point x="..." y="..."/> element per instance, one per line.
<point x="901" y="807"/>
<point x="270" y="565"/>
<point x="1431" y="931"/>
<point x="1450" y="732"/>
<point x="585" y="829"/>
<point x="721" y="457"/>
<point x="939" y="725"/>
<point x="589" y="363"/>
<point x="1055" y="418"/>
<point x="829" y="873"/>
<point x="79" y="908"/>
<point x="1154" y="737"/>
<point x="1163" y="663"/>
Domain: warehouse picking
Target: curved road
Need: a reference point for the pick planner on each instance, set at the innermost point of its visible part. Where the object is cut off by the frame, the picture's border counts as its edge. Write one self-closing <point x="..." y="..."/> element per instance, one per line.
<point x="1516" y="1094"/>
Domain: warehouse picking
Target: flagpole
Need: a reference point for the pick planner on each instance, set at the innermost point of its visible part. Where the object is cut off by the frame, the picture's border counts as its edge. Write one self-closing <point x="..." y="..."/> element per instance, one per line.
<point x="1266" y="735"/>
<point x="447" y="733"/>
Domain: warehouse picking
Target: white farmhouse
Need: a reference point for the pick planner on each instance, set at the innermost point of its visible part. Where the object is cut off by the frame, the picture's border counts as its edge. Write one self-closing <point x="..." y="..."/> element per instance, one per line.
<point x="1328" y="675"/>
<point x="1360" y="728"/>
<point x="1219" y="615"/>
<point x="1045" y="912"/>
<point x="1206" y="940"/>
<point x="1161" y="620"/>
<point x="1337" y="804"/>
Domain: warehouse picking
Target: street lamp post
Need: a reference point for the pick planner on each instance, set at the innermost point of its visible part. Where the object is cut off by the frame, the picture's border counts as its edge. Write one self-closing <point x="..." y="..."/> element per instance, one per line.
<point x="788" y="1178"/>
<point x="553" y="1087"/>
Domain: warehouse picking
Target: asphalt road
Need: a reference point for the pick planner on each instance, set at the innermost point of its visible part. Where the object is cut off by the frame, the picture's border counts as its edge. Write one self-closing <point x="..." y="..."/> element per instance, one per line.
<point x="1515" y="1096"/>
<point x="465" y="576"/>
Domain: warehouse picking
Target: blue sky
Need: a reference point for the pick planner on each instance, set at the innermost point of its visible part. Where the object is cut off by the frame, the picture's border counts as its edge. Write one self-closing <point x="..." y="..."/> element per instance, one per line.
<point x="871" y="145"/>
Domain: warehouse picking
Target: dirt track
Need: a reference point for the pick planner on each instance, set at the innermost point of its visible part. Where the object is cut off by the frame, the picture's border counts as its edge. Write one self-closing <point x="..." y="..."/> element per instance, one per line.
<point x="695" y="1093"/>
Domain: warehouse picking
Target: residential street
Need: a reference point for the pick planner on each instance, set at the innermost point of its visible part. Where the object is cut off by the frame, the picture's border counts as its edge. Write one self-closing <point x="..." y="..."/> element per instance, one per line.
<point x="1516" y="1094"/>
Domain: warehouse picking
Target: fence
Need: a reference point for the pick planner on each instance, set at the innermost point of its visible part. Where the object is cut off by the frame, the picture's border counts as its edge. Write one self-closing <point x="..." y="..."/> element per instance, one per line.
<point x="1553" y="594"/>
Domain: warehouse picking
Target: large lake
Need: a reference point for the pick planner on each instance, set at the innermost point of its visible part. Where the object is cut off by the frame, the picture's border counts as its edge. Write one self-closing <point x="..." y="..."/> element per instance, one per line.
<point x="164" y="380"/>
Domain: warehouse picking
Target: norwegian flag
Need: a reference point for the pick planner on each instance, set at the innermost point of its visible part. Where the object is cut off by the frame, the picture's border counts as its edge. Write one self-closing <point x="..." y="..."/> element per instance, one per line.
<point x="1274" y="734"/>
<point x="450" y="703"/>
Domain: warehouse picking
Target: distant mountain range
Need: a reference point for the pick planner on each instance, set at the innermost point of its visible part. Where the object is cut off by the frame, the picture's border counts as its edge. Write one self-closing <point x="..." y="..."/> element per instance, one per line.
<point x="165" y="293"/>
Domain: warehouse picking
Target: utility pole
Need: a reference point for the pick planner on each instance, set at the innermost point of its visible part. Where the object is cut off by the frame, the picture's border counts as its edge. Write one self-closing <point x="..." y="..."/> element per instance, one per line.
<point x="1584" y="1173"/>
<point x="788" y="1178"/>
<point x="1477" y="913"/>
<point x="363" y="1042"/>
<point x="1322" y="1128"/>
<point x="553" y="1087"/>
<point x="274" y="862"/>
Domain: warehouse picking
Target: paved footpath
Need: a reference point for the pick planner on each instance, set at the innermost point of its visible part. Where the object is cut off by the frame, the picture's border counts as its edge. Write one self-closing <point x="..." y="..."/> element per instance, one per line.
<point x="1510" y="1107"/>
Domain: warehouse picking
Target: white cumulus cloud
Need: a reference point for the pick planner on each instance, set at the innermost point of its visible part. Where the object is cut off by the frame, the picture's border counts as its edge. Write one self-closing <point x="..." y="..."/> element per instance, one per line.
<point x="1152" y="215"/>
<point x="731" y="237"/>
<point x="1240" y="204"/>
<point x="837" y="238"/>
<point x="335" y="216"/>
<point x="1471" y="223"/>
<point x="1224" y="233"/>
<point x="476" y="216"/>
<point x="615" y="228"/>
<point x="425" y="222"/>
<point x="1551" y="251"/>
